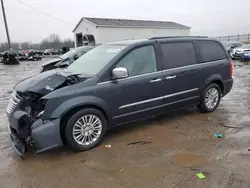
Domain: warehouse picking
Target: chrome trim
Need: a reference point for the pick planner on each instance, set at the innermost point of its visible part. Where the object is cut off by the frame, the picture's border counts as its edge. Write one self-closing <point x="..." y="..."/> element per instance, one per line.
<point x="156" y="80"/>
<point x="141" y="102"/>
<point x="159" y="106"/>
<point x="103" y="82"/>
<point x="157" y="98"/>
<point x="14" y="100"/>
<point x="163" y="71"/>
<point x="170" y="77"/>
<point x="156" y="72"/>
<point x="179" y="93"/>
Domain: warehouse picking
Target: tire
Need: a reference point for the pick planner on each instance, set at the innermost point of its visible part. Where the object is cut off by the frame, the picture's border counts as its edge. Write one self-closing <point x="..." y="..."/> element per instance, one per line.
<point x="204" y="107"/>
<point x="76" y="120"/>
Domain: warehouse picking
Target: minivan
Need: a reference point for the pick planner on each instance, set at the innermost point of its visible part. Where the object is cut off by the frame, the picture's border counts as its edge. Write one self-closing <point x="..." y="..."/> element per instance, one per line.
<point x="114" y="84"/>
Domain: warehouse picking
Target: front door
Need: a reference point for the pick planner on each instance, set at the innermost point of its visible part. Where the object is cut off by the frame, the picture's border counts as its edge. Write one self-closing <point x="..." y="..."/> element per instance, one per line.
<point x="140" y="94"/>
<point x="182" y="76"/>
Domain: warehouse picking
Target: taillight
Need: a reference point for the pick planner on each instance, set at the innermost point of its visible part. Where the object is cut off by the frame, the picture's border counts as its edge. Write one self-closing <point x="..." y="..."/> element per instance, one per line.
<point x="231" y="68"/>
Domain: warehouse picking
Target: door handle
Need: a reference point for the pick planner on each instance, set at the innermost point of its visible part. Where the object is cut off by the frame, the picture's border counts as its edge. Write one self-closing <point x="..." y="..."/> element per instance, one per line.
<point x="171" y="77"/>
<point x="155" y="80"/>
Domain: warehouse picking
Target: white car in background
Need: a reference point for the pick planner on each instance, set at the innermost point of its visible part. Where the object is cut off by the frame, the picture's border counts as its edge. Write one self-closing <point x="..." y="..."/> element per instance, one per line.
<point x="236" y="53"/>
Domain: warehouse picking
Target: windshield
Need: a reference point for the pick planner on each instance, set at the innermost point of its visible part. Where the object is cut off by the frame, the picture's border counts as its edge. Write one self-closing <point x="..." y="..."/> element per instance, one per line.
<point x="96" y="59"/>
<point x="69" y="54"/>
<point x="245" y="46"/>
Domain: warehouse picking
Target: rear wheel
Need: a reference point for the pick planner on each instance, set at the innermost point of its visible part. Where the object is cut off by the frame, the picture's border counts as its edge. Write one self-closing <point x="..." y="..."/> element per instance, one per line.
<point x="85" y="129"/>
<point x="210" y="99"/>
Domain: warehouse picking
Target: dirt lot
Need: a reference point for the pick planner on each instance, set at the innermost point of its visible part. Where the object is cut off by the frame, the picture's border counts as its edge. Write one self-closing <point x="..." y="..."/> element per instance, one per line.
<point x="182" y="144"/>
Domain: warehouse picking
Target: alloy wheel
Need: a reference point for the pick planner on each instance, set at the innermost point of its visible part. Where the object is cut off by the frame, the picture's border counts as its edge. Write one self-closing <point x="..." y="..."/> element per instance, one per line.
<point x="212" y="98"/>
<point x="87" y="129"/>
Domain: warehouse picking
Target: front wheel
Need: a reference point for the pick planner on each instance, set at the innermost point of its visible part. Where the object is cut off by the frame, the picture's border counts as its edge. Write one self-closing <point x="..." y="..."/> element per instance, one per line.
<point x="85" y="129"/>
<point x="210" y="99"/>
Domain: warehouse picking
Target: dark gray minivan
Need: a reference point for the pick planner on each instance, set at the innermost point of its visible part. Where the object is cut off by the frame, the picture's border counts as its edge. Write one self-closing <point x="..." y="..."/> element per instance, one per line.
<point x="114" y="84"/>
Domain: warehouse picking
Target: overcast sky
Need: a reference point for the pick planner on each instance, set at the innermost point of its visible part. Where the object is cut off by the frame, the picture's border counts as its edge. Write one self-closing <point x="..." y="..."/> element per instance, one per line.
<point x="206" y="17"/>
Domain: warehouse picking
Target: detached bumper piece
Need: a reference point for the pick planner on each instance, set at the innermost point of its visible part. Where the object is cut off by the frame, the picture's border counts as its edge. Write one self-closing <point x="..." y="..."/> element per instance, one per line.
<point x="18" y="144"/>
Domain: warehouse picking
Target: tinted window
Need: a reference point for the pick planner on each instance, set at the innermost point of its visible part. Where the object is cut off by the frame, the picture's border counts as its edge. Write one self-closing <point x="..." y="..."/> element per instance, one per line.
<point x="178" y="54"/>
<point x="210" y="51"/>
<point x="139" y="61"/>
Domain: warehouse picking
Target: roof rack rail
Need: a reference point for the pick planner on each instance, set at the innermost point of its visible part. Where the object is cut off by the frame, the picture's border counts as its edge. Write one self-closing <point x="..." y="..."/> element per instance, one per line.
<point x="177" y="37"/>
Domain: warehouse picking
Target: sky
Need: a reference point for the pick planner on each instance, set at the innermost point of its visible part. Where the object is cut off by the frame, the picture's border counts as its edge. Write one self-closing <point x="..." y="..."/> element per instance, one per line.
<point x="205" y="17"/>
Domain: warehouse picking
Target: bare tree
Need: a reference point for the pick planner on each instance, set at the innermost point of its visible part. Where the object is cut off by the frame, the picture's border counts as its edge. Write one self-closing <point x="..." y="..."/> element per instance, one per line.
<point x="69" y="43"/>
<point x="5" y="46"/>
<point x="53" y="41"/>
<point x="25" y="45"/>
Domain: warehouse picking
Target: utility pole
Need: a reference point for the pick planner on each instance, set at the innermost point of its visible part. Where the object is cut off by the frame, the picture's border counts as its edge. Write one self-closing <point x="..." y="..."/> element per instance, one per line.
<point x="6" y="25"/>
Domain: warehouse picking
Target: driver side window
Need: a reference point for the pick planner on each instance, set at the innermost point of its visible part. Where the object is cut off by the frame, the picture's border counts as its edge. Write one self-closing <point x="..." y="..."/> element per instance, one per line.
<point x="139" y="61"/>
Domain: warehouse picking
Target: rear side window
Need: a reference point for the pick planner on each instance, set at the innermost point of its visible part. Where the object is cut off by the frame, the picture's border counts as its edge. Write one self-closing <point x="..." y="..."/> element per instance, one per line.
<point x="210" y="51"/>
<point x="178" y="54"/>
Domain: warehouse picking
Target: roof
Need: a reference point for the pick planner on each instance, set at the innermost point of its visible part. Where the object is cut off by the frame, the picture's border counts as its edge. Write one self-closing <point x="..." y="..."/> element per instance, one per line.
<point x="175" y="38"/>
<point x="128" y="42"/>
<point x="110" y="22"/>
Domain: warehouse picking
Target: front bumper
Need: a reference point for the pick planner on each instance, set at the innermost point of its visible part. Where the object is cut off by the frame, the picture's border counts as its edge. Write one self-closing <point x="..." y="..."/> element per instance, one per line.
<point x="236" y="55"/>
<point x="44" y="135"/>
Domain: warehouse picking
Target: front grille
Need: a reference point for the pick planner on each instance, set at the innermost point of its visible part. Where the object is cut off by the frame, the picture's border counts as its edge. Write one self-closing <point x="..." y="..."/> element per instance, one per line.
<point x="14" y="100"/>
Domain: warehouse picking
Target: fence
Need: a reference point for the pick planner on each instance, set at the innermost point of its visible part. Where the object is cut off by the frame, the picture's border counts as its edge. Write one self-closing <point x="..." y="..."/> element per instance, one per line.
<point x="239" y="37"/>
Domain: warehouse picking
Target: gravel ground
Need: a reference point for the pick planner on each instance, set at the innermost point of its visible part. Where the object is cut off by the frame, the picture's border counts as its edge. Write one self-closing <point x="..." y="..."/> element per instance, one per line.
<point x="182" y="144"/>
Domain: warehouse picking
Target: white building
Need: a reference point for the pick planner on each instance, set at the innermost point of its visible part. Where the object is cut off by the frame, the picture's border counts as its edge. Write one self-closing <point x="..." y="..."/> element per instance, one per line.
<point x="101" y="30"/>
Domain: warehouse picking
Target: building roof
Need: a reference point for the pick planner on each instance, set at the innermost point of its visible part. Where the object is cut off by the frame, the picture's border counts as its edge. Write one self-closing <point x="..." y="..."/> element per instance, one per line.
<point x="110" y="22"/>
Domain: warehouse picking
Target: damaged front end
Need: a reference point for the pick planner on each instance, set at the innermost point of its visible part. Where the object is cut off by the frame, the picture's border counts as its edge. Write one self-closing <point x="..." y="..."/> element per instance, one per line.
<point x="23" y="110"/>
<point x="26" y="108"/>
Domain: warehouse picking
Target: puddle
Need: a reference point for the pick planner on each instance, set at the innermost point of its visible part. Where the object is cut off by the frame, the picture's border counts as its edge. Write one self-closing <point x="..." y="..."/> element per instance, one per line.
<point x="189" y="159"/>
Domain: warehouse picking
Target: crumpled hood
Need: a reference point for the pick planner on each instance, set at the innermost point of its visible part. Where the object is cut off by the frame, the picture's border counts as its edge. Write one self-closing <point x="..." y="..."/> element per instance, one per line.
<point x="44" y="82"/>
<point x="54" y="60"/>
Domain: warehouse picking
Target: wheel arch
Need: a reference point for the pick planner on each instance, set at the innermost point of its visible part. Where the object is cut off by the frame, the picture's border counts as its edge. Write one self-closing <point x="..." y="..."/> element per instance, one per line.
<point x="66" y="116"/>
<point x="217" y="79"/>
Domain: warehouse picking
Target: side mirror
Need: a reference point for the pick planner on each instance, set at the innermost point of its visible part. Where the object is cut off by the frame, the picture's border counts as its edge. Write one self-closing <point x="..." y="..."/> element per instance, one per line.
<point x="119" y="72"/>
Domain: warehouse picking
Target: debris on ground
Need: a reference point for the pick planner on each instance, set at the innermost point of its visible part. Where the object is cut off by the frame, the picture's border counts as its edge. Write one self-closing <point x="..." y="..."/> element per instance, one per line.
<point x="5" y="147"/>
<point x="217" y="135"/>
<point x="139" y="142"/>
<point x="195" y="169"/>
<point x="200" y="175"/>
<point x="228" y="126"/>
<point x="108" y="146"/>
<point x="82" y="161"/>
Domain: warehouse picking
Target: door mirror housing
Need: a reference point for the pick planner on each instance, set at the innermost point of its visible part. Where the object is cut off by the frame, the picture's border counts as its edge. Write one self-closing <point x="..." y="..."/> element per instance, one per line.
<point x="119" y="72"/>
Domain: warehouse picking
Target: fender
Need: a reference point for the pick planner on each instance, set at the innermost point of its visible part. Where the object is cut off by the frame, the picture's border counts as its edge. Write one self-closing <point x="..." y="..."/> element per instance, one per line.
<point x="215" y="77"/>
<point x="81" y="101"/>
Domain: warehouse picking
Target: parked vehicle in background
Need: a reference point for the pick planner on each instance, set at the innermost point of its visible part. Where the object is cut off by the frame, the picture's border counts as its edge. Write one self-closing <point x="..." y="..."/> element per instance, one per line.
<point x="230" y="45"/>
<point x="21" y="56"/>
<point x="66" y="59"/>
<point x="9" y="58"/>
<point x="237" y="52"/>
<point x="114" y="84"/>
<point x="245" y="56"/>
<point x="1" y="57"/>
